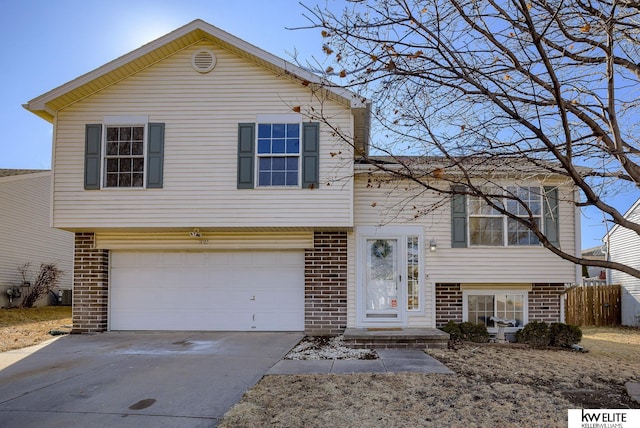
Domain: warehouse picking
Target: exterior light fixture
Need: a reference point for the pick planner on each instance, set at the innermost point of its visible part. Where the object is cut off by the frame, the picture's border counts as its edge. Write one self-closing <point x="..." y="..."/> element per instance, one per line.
<point x="433" y="245"/>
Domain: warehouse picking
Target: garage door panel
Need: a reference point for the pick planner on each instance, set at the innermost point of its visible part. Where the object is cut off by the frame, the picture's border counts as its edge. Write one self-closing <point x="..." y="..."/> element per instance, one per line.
<point x="271" y="300"/>
<point x="196" y="260"/>
<point x="235" y="291"/>
<point x="216" y="259"/>
<point x="205" y="321"/>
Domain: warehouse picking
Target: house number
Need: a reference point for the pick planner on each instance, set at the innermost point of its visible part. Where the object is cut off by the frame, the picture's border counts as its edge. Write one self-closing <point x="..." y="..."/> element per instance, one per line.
<point x="204" y="242"/>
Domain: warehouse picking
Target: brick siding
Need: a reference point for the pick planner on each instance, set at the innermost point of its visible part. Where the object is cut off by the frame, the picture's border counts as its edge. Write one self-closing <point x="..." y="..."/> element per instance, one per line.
<point x="325" y="289"/>
<point x="544" y="302"/>
<point x="90" y="285"/>
<point x="448" y="303"/>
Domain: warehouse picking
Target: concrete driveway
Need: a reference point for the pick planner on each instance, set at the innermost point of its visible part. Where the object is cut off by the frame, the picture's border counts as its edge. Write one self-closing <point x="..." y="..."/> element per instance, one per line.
<point x="124" y="379"/>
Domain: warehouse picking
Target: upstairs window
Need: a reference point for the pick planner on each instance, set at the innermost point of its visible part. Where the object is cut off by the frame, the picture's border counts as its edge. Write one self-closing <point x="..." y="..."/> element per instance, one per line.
<point x="488" y="227"/>
<point x="278" y="151"/>
<point x="486" y="224"/>
<point x="124" y="156"/>
<point x="278" y="154"/>
<point x="124" y="152"/>
<point x="517" y="233"/>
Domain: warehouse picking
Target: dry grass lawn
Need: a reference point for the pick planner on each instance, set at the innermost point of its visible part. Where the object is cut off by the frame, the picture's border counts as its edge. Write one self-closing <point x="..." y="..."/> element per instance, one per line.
<point x="493" y="386"/>
<point x="21" y="327"/>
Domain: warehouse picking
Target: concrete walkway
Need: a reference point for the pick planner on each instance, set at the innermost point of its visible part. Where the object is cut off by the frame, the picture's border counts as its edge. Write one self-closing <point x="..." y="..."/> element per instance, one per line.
<point x="389" y="361"/>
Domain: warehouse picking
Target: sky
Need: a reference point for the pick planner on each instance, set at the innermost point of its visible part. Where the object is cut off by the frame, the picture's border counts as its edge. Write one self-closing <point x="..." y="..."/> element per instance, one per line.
<point x="48" y="43"/>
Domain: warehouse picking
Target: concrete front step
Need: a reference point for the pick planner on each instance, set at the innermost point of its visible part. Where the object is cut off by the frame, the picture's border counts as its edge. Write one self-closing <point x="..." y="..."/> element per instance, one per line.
<point x="386" y="338"/>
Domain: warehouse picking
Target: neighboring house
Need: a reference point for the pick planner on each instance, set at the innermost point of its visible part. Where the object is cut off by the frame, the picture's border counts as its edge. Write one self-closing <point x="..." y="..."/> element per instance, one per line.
<point x="595" y="274"/>
<point x="624" y="247"/>
<point x="26" y="235"/>
<point x="204" y="198"/>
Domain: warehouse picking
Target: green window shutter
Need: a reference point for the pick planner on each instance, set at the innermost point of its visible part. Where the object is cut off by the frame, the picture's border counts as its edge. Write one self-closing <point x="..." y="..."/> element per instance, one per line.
<point x="551" y="213"/>
<point x="246" y="155"/>
<point x="155" y="155"/>
<point x="310" y="155"/>
<point x="92" y="156"/>
<point x="458" y="220"/>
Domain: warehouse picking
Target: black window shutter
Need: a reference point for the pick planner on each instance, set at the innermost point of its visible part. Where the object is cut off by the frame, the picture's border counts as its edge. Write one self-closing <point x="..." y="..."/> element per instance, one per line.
<point x="551" y="212"/>
<point x="458" y="219"/>
<point x="310" y="155"/>
<point x="246" y="155"/>
<point x="155" y="155"/>
<point x="92" y="155"/>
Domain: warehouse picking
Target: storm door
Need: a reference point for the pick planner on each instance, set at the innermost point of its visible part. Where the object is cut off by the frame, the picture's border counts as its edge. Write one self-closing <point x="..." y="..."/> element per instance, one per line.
<point x="381" y="288"/>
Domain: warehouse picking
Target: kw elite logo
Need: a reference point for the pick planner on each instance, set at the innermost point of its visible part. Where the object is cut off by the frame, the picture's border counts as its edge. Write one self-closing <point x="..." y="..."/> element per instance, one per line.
<point x="604" y="418"/>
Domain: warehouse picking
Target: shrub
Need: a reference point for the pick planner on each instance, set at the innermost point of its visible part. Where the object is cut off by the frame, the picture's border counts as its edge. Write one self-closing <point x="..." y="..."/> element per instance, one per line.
<point x="539" y="334"/>
<point x="564" y="335"/>
<point x="466" y="331"/>
<point x="535" y="333"/>
<point x="453" y="329"/>
<point x="478" y="334"/>
<point x="466" y="328"/>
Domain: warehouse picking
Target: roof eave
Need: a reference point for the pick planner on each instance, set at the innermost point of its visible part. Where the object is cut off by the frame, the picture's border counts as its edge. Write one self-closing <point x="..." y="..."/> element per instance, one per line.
<point x="40" y="111"/>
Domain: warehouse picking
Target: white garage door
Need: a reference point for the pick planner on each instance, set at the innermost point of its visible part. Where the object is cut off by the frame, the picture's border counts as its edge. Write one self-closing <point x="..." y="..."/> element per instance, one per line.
<point x="232" y="291"/>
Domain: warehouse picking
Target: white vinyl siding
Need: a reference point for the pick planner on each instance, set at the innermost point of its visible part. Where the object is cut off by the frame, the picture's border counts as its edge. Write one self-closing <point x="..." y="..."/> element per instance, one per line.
<point x="624" y="247"/>
<point x="201" y="113"/>
<point x="530" y="264"/>
<point x="26" y="235"/>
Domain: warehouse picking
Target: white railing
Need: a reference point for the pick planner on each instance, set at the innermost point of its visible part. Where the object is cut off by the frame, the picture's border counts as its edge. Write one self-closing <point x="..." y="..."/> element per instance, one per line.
<point x="594" y="281"/>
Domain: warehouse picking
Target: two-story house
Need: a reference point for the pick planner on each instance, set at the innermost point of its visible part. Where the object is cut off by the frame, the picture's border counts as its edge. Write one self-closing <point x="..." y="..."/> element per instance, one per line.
<point x="204" y="197"/>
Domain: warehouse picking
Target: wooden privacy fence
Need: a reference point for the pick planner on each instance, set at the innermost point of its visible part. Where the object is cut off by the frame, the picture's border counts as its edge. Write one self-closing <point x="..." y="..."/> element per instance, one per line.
<point x="593" y="305"/>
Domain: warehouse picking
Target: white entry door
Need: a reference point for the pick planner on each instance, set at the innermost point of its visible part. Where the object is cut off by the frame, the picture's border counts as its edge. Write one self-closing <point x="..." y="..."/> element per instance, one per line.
<point x="388" y="275"/>
<point x="382" y="280"/>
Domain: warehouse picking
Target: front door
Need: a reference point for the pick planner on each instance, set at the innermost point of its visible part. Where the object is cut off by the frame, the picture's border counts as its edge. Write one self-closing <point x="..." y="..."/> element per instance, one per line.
<point x="389" y="290"/>
<point x="381" y="288"/>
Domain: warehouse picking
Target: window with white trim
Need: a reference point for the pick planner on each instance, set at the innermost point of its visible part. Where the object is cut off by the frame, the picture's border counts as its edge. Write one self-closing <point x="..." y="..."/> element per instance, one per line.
<point x="517" y="233"/>
<point x="278" y="154"/>
<point x="413" y="273"/>
<point x="491" y="306"/>
<point x="124" y="156"/>
<point x="488" y="227"/>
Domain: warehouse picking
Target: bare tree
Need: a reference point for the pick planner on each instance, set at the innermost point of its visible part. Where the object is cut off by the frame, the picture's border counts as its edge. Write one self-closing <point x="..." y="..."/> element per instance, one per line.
<point x="466" y="90"/>
<point x="45" y="282"/>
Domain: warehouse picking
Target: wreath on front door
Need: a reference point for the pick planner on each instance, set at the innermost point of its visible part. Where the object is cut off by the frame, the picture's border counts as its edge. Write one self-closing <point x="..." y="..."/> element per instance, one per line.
<point x="380" y="248"/>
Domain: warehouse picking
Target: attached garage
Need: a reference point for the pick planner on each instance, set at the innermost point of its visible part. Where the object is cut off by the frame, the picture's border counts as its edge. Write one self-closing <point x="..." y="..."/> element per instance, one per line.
<point x="215" y="290"/>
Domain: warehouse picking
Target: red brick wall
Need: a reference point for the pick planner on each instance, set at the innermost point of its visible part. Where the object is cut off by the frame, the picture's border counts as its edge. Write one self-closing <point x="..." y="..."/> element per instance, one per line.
<point x="325" y="289"/>
<point x="448" y="303"/>
<point x="544" y="302"/>
<point x="90" y="285"/>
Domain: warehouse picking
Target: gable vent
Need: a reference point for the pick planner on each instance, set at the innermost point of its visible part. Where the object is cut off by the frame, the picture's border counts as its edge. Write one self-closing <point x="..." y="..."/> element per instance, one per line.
<point x="203" y="61"/>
